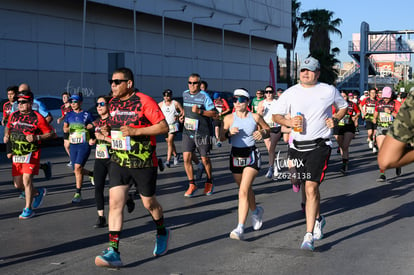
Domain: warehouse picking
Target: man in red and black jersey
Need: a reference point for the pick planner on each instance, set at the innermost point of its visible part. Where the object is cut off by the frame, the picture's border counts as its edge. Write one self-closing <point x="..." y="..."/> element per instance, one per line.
<point x="367" y="107"/>
<point x="24" y="131"/>
<point x="11" y="96"/>
<point x="386" y="110"/>
<point x="134" y="121"/>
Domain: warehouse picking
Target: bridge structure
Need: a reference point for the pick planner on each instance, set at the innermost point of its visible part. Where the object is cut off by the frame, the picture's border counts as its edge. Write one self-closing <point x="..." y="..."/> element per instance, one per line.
<point x="371" y="44"/>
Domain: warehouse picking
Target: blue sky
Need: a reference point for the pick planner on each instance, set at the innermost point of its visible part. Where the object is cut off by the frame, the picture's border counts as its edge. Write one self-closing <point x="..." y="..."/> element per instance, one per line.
<point x="380" y="15"/>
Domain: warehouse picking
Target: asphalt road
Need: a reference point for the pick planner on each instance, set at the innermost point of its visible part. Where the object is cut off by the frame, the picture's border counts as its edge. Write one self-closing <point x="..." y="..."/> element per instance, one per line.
<point x="368" y="230"/>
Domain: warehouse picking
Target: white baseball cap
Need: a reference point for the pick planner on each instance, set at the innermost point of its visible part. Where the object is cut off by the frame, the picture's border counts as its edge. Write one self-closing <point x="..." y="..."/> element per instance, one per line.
<point x="310" y="63"/>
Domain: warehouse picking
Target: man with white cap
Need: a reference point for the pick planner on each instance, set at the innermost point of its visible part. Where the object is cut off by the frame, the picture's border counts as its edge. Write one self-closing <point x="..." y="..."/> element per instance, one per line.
<point x="310" y="105"/>
<point x="386" y="110"/>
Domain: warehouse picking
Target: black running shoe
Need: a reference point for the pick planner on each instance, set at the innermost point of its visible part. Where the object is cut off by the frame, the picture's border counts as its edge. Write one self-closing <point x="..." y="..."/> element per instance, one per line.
<point x="101" y="222"/>
<point x="381" y="178"/>
<point x="130" y="204"/>
<point x="161" y="165"/>
<point x="398" y="171"/>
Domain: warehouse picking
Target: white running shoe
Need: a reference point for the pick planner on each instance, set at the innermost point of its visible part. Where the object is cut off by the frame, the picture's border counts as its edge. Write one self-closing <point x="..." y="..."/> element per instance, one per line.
<point x="237" y="234"/>
<point x="370" y="144"/>
<point x="257" y="220"/>
<point x="317" y="229"/>
<point x="269" y="173"/>
<point x="307" y="243"/>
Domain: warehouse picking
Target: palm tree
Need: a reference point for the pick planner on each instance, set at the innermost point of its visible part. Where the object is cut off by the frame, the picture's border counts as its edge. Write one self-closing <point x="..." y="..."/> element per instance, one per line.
<point x="317" y="25"/>
<point x="290" y="47"/>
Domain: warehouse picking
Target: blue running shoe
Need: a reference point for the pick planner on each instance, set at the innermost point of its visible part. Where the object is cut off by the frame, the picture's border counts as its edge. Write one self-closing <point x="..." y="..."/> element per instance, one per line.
<point x="161" y="243"/>
<point x="26" y="214"/>
<point x="22" y="195"/>
<point x="38" y="200"/>
<point x="109" y="258"/>
<point x="307" y="243"/>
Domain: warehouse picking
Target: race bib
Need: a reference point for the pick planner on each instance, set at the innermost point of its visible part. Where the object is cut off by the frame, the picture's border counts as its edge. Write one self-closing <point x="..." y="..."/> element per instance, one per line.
<point x="385" y="117"/>
<point x="241" y="162"/>
<point x="370" y="110"/>
<point x="101" y="151"/>
<point x="22" y="159"/>
<point x="344" y="120"/>
<point x="173" y="127"/>
<point x="77" y="137"/>
<point x="191" y="124"/>
<point x="119" y="142"/>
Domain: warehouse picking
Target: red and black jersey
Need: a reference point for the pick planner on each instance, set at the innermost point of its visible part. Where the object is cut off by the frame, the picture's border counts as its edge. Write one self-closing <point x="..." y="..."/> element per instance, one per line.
<point x="352" y="109"/>
<point x="20" y="125"/>
<point x="65" y="109"/>
<point x="140" y="110"/>
<point x="7" y="107"/>
<point x="98" y="124"/>
<point x="393" y="105"/>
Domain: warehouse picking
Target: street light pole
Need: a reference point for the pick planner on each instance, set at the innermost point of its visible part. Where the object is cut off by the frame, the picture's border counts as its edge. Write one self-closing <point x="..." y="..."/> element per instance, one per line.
<point x="192" y="36"/>
<point x="250" y="53"/>
<point x="163" y="41"/>
<point x="222" y="50"/>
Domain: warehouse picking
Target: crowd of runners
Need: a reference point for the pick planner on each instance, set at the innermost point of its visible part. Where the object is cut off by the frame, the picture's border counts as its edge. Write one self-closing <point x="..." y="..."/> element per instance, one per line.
<point x="306" y="115"/>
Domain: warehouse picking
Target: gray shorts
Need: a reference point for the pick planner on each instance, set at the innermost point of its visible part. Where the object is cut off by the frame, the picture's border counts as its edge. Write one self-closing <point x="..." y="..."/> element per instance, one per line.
<point x="201" y="143"/>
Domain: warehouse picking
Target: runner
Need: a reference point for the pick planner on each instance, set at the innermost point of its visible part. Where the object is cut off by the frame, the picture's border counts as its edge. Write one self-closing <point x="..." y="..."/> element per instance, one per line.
<point x="309" y="103"/>
<point x="244" y="128"/>
<point x="78" y="124"/>
<point x="255" y="102"/>
<point x="65" y="108"/>
<point x="25" y="130"/>
<point x="102" y="155"/>
<point x="7" y="106"/>
<point x="223" y="109"/>
<point x="344" y="130"/>
<point x="174" y="115"/>
<point x="264" y="109"/>
<point x="385" y="111"/>
<point x="135" y="119"/>
<point x="367" y="107"/>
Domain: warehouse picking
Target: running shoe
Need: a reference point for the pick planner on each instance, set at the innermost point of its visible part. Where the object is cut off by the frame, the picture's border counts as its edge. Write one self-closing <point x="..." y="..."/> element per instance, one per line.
<point x="130" y="204"/>
<point x="398" y="171"/>
<point x="218" y="144"/>
<point x="26" y="214"/>
<point x="109" y="258"/>
<point x="208" y="188"/>
<point x="381" y="178"/>
<point x="374" y="150"/>
<point x="307" y="243"/>
<point x="176" y="159"/>
<point x="77" y="198"/>
<point x="257" y="219"/>
<point x="269" y="173"/>
<point x="318" y="229"/>
<point x="48" y="170"/>
<point x="161" y="165"/>
<point x="296" y="187"/>
<point x="275" y="173"/>
<point x="200" y="171"/>
<point x="38" y="200"/>
<point x="101" y="222"/>
<point x="167" y="164"/>
<point x="370" y="144"/>
<point x="22" y="195"/>
<point x="69" y="164"/>
<point x="92" y="179"/>
<point x="161" y="243"/>
<point x="237" y="234"/>
<point x="192" y="188"/>
<point x="344" y="168"/>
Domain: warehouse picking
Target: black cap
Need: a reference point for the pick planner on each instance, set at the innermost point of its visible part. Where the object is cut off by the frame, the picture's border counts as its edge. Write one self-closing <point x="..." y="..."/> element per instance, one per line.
<point x="25" y="94"/>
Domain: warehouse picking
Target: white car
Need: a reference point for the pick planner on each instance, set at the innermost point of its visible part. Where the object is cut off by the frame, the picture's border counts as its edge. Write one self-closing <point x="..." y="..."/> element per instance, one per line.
<point x="52" y="104"/>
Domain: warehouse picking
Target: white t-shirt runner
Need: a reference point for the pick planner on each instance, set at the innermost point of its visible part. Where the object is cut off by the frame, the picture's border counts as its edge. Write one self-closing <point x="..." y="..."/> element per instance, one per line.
<point x="315" y="105"/>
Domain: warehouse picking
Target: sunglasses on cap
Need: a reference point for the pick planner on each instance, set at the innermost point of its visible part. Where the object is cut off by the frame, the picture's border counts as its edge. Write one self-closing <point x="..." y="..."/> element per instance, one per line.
<point x="240" y="99"/>
<point x="100" y="104"/>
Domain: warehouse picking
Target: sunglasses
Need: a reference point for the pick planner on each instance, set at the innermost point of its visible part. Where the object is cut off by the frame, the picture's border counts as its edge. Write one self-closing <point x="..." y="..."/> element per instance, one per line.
<point x="100" y="104"/>
<point x="73" y="101"/>
<point x="23" y="101"/>
<point x="193" y="83"/>
<point x="240" y="99"/>
<point x="117" y="81"/>
<point x="268" y="92"/>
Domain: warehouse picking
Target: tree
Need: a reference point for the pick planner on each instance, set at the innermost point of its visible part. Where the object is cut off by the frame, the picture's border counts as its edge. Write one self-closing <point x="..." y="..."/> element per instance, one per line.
<point x="317" y="25"/>
<point x="290" y="47"/>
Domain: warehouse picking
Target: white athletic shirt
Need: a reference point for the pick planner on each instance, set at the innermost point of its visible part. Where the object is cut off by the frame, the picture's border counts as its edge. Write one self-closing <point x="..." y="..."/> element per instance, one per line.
<point x="169" y="112"/>
<point x="315" y="104"/>
<point x="268" y="106"/>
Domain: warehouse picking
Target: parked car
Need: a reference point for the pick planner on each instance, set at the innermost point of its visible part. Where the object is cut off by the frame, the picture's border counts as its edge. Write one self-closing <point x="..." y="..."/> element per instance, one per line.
<point x="52" y="104"/>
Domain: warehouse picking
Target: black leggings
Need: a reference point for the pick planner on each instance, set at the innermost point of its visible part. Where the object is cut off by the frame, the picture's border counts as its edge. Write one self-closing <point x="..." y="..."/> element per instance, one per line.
<point x="100" y="170"/>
